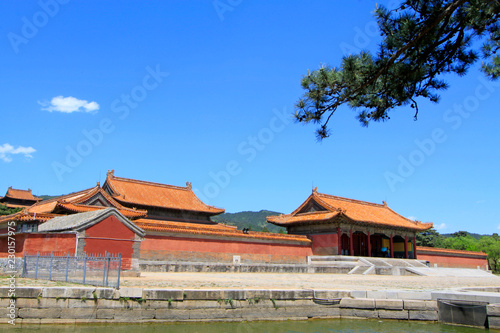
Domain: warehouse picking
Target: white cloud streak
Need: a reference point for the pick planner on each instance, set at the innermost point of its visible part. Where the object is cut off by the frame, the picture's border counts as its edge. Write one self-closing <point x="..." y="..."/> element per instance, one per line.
<point x="69" y="105"/>
<point x="441" y="226"/>
<point x="6" y="152"/>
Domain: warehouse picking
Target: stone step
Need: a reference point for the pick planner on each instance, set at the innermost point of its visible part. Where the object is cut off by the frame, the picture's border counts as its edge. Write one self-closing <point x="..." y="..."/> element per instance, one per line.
<point x="360" y="269"/>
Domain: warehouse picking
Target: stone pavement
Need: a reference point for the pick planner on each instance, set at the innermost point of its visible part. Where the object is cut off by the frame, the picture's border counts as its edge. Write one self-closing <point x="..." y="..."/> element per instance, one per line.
<point x="306" y="281"/>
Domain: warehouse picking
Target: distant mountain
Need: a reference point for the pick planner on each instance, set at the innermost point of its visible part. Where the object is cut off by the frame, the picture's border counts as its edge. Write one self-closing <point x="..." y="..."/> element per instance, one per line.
<point x="256" y="221"/>
<point x="476" y="236"/>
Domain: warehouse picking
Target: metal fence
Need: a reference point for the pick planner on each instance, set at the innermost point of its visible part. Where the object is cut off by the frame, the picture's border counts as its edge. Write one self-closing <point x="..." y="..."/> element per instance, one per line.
<point x="98" y="270"/>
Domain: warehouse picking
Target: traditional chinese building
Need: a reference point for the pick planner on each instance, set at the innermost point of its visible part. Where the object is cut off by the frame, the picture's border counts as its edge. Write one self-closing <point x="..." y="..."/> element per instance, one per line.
<point x="144" y="221"/>
<point x="15" y="198"/>
<point x="345" y="226"/>
<point x="160" y="201"/>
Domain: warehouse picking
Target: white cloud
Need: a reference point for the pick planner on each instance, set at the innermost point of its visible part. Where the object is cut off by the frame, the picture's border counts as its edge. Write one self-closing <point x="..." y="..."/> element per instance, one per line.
<point x="6" y="152"/>
<point x="441" y="226"/>
<point x="69" y="105"/>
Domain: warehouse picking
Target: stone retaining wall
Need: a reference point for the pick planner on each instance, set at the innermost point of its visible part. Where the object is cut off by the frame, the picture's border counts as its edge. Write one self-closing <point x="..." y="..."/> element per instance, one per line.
<point x="90" y="305"/>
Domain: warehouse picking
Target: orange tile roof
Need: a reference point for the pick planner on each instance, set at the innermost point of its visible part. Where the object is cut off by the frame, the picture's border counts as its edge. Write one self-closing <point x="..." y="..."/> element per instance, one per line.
<point x="48" y="206"/>
<point x="213" y="230"/>
<point x="424" y="249"/>
<point x="80" y="208"/>
<point x="138" y="192"/>
<point x="27" y="216"/>
<point x="354" y="210"/>
<point x="21" y="194"/>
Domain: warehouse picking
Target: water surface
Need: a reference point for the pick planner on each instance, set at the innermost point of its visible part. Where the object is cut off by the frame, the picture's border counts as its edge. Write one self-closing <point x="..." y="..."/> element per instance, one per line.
<point x="289" y="326"/>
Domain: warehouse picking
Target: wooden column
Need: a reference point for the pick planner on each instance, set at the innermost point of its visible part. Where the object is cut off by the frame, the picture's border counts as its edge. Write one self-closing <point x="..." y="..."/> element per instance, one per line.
<point x="406" y="247"/>
<point x="392" y="247"/>
<point x="339" y="239"/>
<point x="369" y="245"/>
<point x="414" y="248"/>
<point x="351" y="245"/>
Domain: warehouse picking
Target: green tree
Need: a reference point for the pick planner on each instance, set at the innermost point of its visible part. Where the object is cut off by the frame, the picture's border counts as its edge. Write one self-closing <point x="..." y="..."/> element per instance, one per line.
<point x="422" y="40"/>
<point x="264" y="229"/>
<point x="460" y="234"/>
<point x="4" y="210"/>
<point x="466" y="243"/>
<point x="491" y="246"/>
<point x="430" y="238"/>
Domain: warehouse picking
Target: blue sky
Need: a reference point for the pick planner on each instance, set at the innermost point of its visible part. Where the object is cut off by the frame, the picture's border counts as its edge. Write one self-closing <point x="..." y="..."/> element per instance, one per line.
<point x="203" y="91"/>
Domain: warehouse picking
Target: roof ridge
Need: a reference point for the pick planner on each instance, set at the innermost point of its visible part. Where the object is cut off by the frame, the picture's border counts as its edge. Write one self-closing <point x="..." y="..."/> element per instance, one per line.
<point x="61" y="197"/>
<point x="310" y="213"/>
<point x="144" y="182"/>
<point x="65" y="204"/>
<point x="351" y="200"/>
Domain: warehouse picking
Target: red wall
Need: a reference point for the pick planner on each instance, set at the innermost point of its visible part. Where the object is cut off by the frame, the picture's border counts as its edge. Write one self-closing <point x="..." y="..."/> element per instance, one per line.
<point x="113" y="237"/>
<point x="325" y="244"/>
<point x="192" y="249"/>
<point x="43" y="243"/>
<point x="452" y="261"/>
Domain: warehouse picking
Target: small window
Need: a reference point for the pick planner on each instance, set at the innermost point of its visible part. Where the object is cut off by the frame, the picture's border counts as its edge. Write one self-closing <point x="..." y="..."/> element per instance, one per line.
<point x="27" y="227"/>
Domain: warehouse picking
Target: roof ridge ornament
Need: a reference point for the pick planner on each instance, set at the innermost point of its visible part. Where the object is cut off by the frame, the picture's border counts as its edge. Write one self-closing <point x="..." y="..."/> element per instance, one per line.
<point x="111" y="173"/>
<point x="384" y="203"/>
<point x="315" y="189"/>
<point x="189" y="185"/>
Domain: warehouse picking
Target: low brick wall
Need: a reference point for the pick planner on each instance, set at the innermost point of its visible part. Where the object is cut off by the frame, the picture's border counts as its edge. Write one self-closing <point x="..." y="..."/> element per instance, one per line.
<point x="52" y="305"/>
<point x="222" y="250"/>
<point x="453" y="258"/>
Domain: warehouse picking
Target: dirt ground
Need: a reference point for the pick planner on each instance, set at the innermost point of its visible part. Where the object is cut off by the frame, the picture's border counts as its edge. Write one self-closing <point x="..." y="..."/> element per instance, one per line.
<point x="302" y="281"/>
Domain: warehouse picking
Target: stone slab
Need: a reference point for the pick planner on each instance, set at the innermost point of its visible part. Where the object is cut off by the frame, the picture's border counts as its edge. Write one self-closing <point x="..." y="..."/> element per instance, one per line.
<point x="107" y="293"/>
<point x="76" y="313"/>
<point x="258" y="294"/>
<point x="419" y="305"/>
<point x="357" y="303"/>
<point x="487" y="297"/>
<point x="132" y="315"/>
<point x="423" y="315"/>
<point x="39" y="313"/>
<point x="393" y="314"/>
<point x="494" y="322"/>
<point x="234" y="294"/>
<point x="292" y="294"/>
<point x="162" y="294"/>
<point x="493" y="310"/>
<point x="172" y="314"/>
<point x="105" y="314"/>
<point x="200" y="294"/>
<point x="389" y="304"/>
<point x="130" y="292"/>
<point x="54" y="292"/>
<point x="358" y="294"/>
<point x="358" y="313"/>
<point x="80" y="292"/>
<point x="414" y="295"/>
<point x="377" y="294"/>
<point x="28" y="292"/>
<point x="331" y="294"/>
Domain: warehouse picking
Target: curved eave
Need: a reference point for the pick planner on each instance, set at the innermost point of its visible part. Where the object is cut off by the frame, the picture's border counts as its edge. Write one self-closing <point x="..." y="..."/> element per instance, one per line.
<point x="78" y="208"/>
<point x="332" y="217"/>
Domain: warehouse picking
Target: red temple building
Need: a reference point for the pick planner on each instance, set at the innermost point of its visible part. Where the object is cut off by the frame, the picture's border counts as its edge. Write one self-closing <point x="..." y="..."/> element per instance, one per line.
<point x="341" y="226"/>
<point x="150" y="222"/>
<point x="18" y="198"/>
